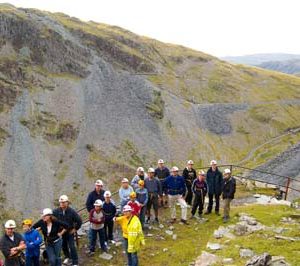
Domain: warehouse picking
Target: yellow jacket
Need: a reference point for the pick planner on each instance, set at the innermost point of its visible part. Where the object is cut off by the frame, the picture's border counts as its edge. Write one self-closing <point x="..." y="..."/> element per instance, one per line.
<point x="123" y="221"/>
<point x="135" y="235"/>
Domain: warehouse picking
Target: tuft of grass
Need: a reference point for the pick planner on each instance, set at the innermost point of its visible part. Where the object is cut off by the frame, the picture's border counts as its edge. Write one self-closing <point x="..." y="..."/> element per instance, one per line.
<point x="156" y="107"/>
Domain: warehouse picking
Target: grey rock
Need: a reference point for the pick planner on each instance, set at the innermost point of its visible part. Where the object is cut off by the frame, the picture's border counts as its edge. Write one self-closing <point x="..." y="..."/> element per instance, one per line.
<point x="169" y="232"/>
<point x="246" y="253"/>
<point x="260" y="260"/>
<point x="227" y="261"/>
<point x="174" y="237"/>
<point x="106" y="256"/>
<point x="213" y="246"/>
<point x="206" y="259"/>
<point x="165" y="249"/>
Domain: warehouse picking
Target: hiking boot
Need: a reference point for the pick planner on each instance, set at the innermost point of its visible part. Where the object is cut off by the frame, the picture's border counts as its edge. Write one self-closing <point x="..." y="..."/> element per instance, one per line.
<point x="207" y="212"/>
<point x="148" y="220"/>
<point x="173" y="221"/>
<point x="200" y="215"/>
<point x="217" y="213"/>
<point x="184" y="221"/>
<point x="156" y="220"/>
<point x="192" y="216"/>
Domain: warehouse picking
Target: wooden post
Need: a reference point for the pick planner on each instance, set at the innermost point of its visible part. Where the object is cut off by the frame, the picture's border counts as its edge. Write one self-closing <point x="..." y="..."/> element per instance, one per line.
<point x="287" y="188"/>
<point x="231" y="169"/>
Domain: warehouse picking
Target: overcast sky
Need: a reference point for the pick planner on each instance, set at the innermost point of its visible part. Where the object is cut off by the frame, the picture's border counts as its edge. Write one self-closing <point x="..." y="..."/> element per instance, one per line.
<point x="217" y="27"/>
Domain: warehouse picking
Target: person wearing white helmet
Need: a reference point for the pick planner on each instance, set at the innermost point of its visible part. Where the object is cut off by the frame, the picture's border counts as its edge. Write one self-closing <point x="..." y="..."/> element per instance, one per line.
<point x="12" y="244"/>
<point x="97" y="220"/>
<point x="140" y="175"/>
<point x="132" y="233"/>
<point x="228" y="191"/>
<point x="154" y="189"/>
<point x="176" y="189"/>
<point x="124" y="192"/>
<point x="189" y="175"/>
<point x="52" y="230"/>
<point x="214" y="179"/>
<point x="110" y="210"/>
<point x="68" y="215"/>
<point x="199" y="188"/>
<point x="162" y="172"/>
<point x="97" y="193"/>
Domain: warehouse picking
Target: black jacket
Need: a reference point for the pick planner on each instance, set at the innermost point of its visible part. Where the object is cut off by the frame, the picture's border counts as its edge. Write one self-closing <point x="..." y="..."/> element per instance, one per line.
<point x="189" y="176"/>
<point x="92" y="197"/>
<point x="214" y="181"/>
<point x="161" y="174"/>
<point x="228" y="188"/>
<point x="57" y="226"/>
<point x="6" y="244"/>
<point x="69" y="216"/>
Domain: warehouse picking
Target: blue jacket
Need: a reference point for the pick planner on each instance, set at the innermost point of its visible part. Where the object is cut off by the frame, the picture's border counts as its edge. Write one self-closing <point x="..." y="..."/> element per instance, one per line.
<point x="175" y="185"/>
<point x="33" y="239"/>
<point x="142" y="195"/>
<point x="109" y="210"/>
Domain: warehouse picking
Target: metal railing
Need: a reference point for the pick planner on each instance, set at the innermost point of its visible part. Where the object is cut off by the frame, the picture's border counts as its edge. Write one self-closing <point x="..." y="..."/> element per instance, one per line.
<point x="286" y="184"/>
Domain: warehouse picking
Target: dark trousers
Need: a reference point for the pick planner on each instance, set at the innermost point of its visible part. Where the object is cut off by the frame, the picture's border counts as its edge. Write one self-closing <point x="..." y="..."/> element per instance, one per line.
<point x="108" y="229"/>
<point x="101" y="235"/>
<point x="53" y="252"/>
<point x="32" y="261"/>
<point x="198" y="203"/>
<point x="189" y="194"/>
<point x="69" y="249"/>
<point x="211" y="200"/>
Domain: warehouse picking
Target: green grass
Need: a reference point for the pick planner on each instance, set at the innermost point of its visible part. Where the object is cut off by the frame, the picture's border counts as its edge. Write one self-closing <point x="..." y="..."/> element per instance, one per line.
<point x="263" y="241"/>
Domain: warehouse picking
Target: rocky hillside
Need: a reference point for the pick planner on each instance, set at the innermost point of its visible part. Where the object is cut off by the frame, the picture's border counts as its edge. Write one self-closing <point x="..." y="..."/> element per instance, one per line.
<point x="81" y="100"/>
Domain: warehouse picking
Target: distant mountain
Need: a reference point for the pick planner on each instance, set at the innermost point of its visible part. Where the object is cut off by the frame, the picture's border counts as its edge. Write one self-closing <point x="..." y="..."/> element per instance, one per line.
<point x="258" y="59"/>
<point x="289" y="66"/>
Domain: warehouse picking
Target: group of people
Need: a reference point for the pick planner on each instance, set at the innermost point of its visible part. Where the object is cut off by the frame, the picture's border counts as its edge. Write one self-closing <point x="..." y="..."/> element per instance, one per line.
<point x="158" y="187"/>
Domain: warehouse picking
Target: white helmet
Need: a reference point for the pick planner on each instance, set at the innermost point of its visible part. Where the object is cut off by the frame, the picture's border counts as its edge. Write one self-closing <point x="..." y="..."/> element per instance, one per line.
<point x="160" y="161"/>
<point x="125" y="180"/>
<point x="174" y="169"/>
<point x="227" y="171"/>
<point x="201" y="172"/>
<point x="98" y="202"/>
<point x="151" y="170"/>
<point x="107" y="194"/>
<point x="212" y="162"/>
<point x="190" y="162"/>
<point x="10" y="224"/>
<point x="63" y="198"/>
<point x="98" y="183"/>
<point x="47" y="211"/>
<point x="140" y="169"/>
<point x="127" y="208"/>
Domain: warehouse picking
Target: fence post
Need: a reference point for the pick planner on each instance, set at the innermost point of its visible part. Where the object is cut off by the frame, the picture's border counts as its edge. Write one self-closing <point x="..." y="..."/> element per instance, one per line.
<point x="231" y="168"/>
<point x="287" y="188"/>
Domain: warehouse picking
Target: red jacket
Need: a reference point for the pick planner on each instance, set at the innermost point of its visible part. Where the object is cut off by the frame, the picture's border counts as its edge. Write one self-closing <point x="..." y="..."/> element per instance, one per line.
<point x="136" y="207"/>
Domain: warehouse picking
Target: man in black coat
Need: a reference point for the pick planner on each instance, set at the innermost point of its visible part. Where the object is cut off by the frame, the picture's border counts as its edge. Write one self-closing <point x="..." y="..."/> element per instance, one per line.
<point x="228" y="191"/>
<point x="69" y="216"/>
<point x="189" y="174"/>
<point x="11" y="244"/>
<point x="97" y="193"/>
<point x="214" y="180"/>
